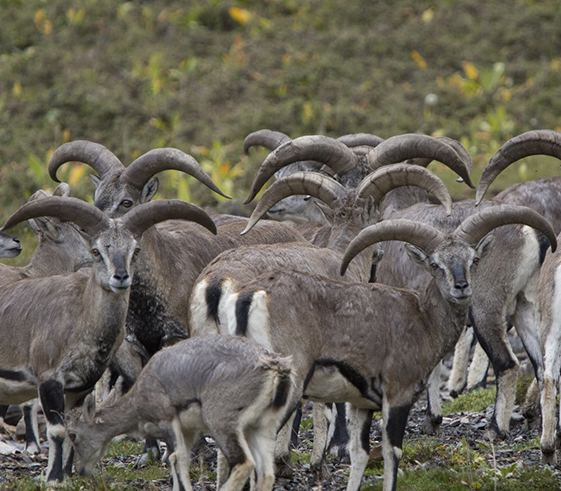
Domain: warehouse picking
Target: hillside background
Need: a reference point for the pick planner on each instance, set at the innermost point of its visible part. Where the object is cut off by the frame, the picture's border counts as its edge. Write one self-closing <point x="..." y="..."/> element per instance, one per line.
<point x="201" y="75"/>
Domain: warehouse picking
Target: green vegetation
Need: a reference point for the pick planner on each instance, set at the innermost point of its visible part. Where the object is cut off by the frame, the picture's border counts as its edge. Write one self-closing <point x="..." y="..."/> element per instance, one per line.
<point x="430" y="465"/>
<point x="477" y="400"/>
<point x="201" y="76"/>
<point x="461" y="480"/>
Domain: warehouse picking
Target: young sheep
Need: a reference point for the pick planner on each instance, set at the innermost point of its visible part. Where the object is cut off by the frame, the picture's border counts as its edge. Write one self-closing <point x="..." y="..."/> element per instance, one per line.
<point x="370" y="344"/>
<point x="59" y="332"/>
<point x="227" y="387"/>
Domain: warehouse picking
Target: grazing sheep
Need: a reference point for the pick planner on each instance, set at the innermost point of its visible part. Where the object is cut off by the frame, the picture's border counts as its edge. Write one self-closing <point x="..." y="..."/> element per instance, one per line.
<point x="223" y="386"/>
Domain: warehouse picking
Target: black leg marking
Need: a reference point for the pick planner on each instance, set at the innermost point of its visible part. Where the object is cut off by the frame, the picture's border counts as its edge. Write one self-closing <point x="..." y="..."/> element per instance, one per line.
<point x="295" y="427"/>
<point x="365" y="432"/>
<point x="51" y="394"/>
<point x="242" y="313"/>
<point x="30" y="436"/>
<point x="340" y="438"/>
<point x="234" y="454"/>
<point x="395" y="426"/>
<point x="69" y="462"/>
<point x="212" y="297"/>
<point x="52" y="399"/>
<point x="3" y="411"/>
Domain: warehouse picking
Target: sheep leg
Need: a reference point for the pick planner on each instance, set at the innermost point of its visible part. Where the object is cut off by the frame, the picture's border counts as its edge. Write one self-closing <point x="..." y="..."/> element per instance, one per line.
<point x="51" y="394"/>
<point x="548" y="399"/>
<point x="180" y="459"/>
<point x="478" y="368"/>
<point x="493" y="339"/>
<point x="338" y="431"/>
<point x="393" y="430"/>
<point x="321" y="428"/>
<point x="282" y="449"/>
<point x="222" y="469"/>
<point x="3" y="411"/>
<point x="32" y="445"/>
<point x="433" y="418"/>
<point x="238" y="455"/>
<point x="150" y="453"/>
<point x="359" y="426"/>
<point x="458" y="375"/>
<point x="262" y="446"/>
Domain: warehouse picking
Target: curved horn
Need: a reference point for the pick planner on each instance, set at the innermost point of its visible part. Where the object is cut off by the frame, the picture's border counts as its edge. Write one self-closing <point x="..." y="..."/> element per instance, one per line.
<point x="536" y="142"/>
<point x="318" y="148"/>
<point x="98" y="157"/>
<point x="416" y="233"/>
<point x="360" y="139"/>
<point x="73" y="210"/>
<point x="139" y="172"/>
<point x="142" y="217"/>
<point x="265" y="138"/>
<point x="316" y="185"/>
<point x="380" y="182"/>
<point x="412" y="146"/>
<point x="477" y="226"/>
<point x="460" y="150"/>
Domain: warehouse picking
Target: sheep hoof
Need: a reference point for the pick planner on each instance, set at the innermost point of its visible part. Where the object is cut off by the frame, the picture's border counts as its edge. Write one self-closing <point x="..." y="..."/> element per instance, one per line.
<point x="283" y="468"/>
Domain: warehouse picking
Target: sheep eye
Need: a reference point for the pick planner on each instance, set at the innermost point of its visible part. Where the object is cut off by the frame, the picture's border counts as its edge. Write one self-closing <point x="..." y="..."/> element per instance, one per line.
<point x="72" y="436"/>
<point x="127" y="203"/>
<point x="137" y="251"/>
<point x="475" y="260"/>
<point x="434" y="266"/>
<point x="95" y="253"/>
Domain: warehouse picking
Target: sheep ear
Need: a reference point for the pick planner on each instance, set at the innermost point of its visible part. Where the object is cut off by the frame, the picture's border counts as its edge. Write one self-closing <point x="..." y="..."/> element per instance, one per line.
<point x="485" y="245"/>
<point x="96" y="180"/>
<point x="88" y="408"/>
<point x="326" y="212"/>
<point x="43" y="226"/>
<point x="418" y="256"/>
<point x="149" y="190"/>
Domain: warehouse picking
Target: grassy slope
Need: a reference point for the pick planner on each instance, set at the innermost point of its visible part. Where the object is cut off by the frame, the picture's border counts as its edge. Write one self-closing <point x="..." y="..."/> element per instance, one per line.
<point x="136" y="75"/>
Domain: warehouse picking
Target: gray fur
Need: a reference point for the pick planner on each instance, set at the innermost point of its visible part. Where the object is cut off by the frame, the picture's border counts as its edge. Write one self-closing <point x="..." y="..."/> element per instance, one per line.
<point x="502" y="289"/>
<point x="9" y="246"/>
<point x="60" y="332"/>
<point x="350" y="325"/>
<point x="229" y="383"/>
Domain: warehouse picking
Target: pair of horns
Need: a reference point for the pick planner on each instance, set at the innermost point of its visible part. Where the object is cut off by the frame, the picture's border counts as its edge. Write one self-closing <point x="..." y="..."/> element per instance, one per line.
<point x="94" y="221"/>
<point x="340" y="158"/>
<point x="535" y="142"/>
<point x="138" y="173"/>
<point x="375" y="185"/>
<point x="426" y="237"/>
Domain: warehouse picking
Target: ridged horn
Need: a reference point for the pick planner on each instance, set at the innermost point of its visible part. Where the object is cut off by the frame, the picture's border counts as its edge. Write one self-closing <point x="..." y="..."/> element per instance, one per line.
<point x="73" y="210"/>
<point x="360" y="139"/>
<point x="419" y="234"/>
<point x="460" y="150"/>
<point x="477" y="226"/>
<point x="264" y="138"/>
<point x="98" y="157"/>
<point x="142" y="217"/>
<point x="316" y="185"/>
<point x="139" y="172"/>
<point x="535" y="142"/>
<point x="412" y="146"/>
<point x="318" y="148"/>
<point x="380" y="182"/>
